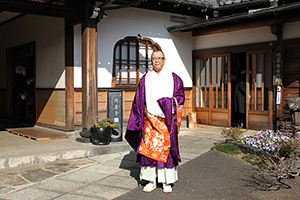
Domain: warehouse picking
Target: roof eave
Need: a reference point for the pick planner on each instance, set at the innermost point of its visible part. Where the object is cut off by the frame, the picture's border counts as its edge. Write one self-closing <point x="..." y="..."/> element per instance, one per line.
<point x="216" y="21"/>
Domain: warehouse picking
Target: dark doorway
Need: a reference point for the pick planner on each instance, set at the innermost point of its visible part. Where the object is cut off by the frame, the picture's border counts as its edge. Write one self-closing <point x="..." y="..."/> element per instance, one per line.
<point x="238" y="83"/>
<point x="25" y="55"/>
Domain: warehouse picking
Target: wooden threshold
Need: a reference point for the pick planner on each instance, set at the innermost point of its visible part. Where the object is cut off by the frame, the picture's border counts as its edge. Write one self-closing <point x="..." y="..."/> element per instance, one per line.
<point x="37" y="134"/>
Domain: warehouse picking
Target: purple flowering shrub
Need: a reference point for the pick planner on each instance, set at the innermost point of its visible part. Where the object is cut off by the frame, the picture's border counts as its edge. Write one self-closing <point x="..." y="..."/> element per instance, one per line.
<point x="271" y="141"/>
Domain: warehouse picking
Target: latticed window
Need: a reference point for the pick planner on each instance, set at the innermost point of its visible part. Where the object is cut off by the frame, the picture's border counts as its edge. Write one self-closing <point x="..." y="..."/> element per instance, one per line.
<point x="132" y="56"/>
<point x="212" y="82"/>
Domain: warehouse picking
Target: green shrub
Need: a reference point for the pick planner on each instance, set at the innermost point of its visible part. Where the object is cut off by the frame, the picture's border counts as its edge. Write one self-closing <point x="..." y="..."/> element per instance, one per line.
<point x="107" y="123"/>
<point x="233" y="133"/>
<point x="227" y="148"/>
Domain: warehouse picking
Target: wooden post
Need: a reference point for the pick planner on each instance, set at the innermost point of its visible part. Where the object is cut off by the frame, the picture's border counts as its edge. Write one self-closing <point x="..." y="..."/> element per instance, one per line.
<point x="69" y="68"/>
<point x="89" y="69"/>
<point x="192" y="120"/>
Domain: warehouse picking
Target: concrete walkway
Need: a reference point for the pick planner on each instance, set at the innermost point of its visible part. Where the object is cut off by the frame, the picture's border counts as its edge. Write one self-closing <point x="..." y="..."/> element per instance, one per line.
<point x="113" y="172"/>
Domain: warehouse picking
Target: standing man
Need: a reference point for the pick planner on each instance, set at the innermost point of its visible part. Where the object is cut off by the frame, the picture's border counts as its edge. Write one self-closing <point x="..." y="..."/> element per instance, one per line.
<point x="154" y="123"/>
<point x="240" y="99"/>
<point x="19" y="93"/>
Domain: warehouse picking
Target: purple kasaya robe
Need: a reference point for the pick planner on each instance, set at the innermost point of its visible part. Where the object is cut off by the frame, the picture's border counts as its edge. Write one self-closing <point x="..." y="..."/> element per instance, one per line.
<point x="136" y="123"/>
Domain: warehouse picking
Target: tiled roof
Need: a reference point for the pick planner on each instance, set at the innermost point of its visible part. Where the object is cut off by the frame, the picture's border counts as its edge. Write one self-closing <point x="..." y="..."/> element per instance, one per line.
<point x="213" y="3"/>
<point x="218" y="3"/>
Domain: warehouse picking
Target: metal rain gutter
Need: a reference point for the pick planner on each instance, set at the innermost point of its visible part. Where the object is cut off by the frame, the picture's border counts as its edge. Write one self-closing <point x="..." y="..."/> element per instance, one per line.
<point x="250" y="14"/>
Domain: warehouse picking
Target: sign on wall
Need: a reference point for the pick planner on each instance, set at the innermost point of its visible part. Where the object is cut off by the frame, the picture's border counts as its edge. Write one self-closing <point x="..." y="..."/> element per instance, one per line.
<point x="115" y="112"/>
<point x="277" y="77"/>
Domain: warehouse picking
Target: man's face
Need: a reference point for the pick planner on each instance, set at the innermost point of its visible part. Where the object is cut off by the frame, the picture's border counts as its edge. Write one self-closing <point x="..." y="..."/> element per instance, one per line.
<point x="158" y="61"/>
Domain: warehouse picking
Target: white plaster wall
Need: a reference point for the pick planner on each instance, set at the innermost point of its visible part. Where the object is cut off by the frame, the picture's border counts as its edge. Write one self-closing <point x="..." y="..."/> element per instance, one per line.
<point x="131" y="22"/>
<point x="247" y="36"/>
<point x="48" y="34"/>
<point x="291" y="30"/>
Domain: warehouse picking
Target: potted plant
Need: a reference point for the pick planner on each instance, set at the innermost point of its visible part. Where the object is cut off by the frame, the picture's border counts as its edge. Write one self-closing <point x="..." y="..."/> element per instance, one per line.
<point x="101" y="132"/>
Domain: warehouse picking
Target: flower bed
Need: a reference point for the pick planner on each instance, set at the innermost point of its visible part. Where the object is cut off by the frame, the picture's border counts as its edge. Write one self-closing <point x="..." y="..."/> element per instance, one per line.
<point x="266" y="143"/>
<point x="268" y="140"/>
<point x="280" y="152"/>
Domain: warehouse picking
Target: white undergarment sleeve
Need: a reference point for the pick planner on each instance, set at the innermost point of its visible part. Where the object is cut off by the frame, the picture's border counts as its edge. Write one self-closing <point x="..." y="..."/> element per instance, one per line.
<point x="158" y="86"/>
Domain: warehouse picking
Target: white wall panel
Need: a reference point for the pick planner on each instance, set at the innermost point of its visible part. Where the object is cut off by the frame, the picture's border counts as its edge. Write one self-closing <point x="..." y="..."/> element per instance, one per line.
<point x="131" y="22"/>
<point x="247" y="36"/>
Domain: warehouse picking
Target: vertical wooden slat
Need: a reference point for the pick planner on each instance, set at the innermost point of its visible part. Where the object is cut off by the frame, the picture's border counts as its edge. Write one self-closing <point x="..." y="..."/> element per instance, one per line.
<point x="200" y="87"/>
<point x="137" y="61"/>
<point x="222" y="81"/>
<point x="247" y="89"/>
<point x="254" y="80"/>
<point x="205" y="83"/>
<point x="262" y="82"/>
<point x="194" y="84"/>
<point x="120" y="65"/>
<point x="270" y="88"/>
<point x="217" y="86"/>
<point x="210" y="91"/>
<point x="229" y="90"/>
<point x="128" y="62"/>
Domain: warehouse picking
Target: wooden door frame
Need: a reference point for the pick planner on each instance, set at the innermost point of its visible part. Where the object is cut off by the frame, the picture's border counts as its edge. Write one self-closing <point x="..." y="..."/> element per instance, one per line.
<point x="270" y="83"/>
<point x="210" y="107"/>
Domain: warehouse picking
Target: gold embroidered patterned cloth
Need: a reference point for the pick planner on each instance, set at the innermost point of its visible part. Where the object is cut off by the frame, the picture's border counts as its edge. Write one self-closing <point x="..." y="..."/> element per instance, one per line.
<point x="156" y="137"/>
<point x="156" y="140"/>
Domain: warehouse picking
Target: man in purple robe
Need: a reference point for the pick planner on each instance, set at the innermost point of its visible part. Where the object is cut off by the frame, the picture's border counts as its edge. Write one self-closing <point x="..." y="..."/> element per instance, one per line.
<point x="157" y="104"/>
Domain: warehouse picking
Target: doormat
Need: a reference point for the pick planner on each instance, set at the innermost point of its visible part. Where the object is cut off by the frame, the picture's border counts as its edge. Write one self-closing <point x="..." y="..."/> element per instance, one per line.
<point x="37" y="134"/>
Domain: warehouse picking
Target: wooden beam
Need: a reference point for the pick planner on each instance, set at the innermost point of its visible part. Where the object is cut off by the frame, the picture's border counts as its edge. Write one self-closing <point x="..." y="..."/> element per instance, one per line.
<point x="69" y="68"/>
<point x="45" y="9"/>
<point x="89" y="71"/>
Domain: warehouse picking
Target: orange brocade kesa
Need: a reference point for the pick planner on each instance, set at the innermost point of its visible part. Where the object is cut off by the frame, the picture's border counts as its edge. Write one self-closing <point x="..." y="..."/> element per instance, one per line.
<point x="156" y="140"/>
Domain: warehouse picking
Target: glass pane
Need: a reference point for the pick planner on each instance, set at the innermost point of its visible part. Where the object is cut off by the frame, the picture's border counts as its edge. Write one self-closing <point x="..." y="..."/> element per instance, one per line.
<point x="142" y="51"/>
<point x="207" y="72"/>
<point x="124" y="52"/>
<point x="117" y="75"/>
<point x="117" y="54"/>
<point x="204" y="82"/>
<point x="258" y="82"/>
<point x="132" y="51"/>
<point x="124" y="74"/>
<point x="219" y="71"/>
<point x="142" y="69"/>
<point x="133" y="74"/>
